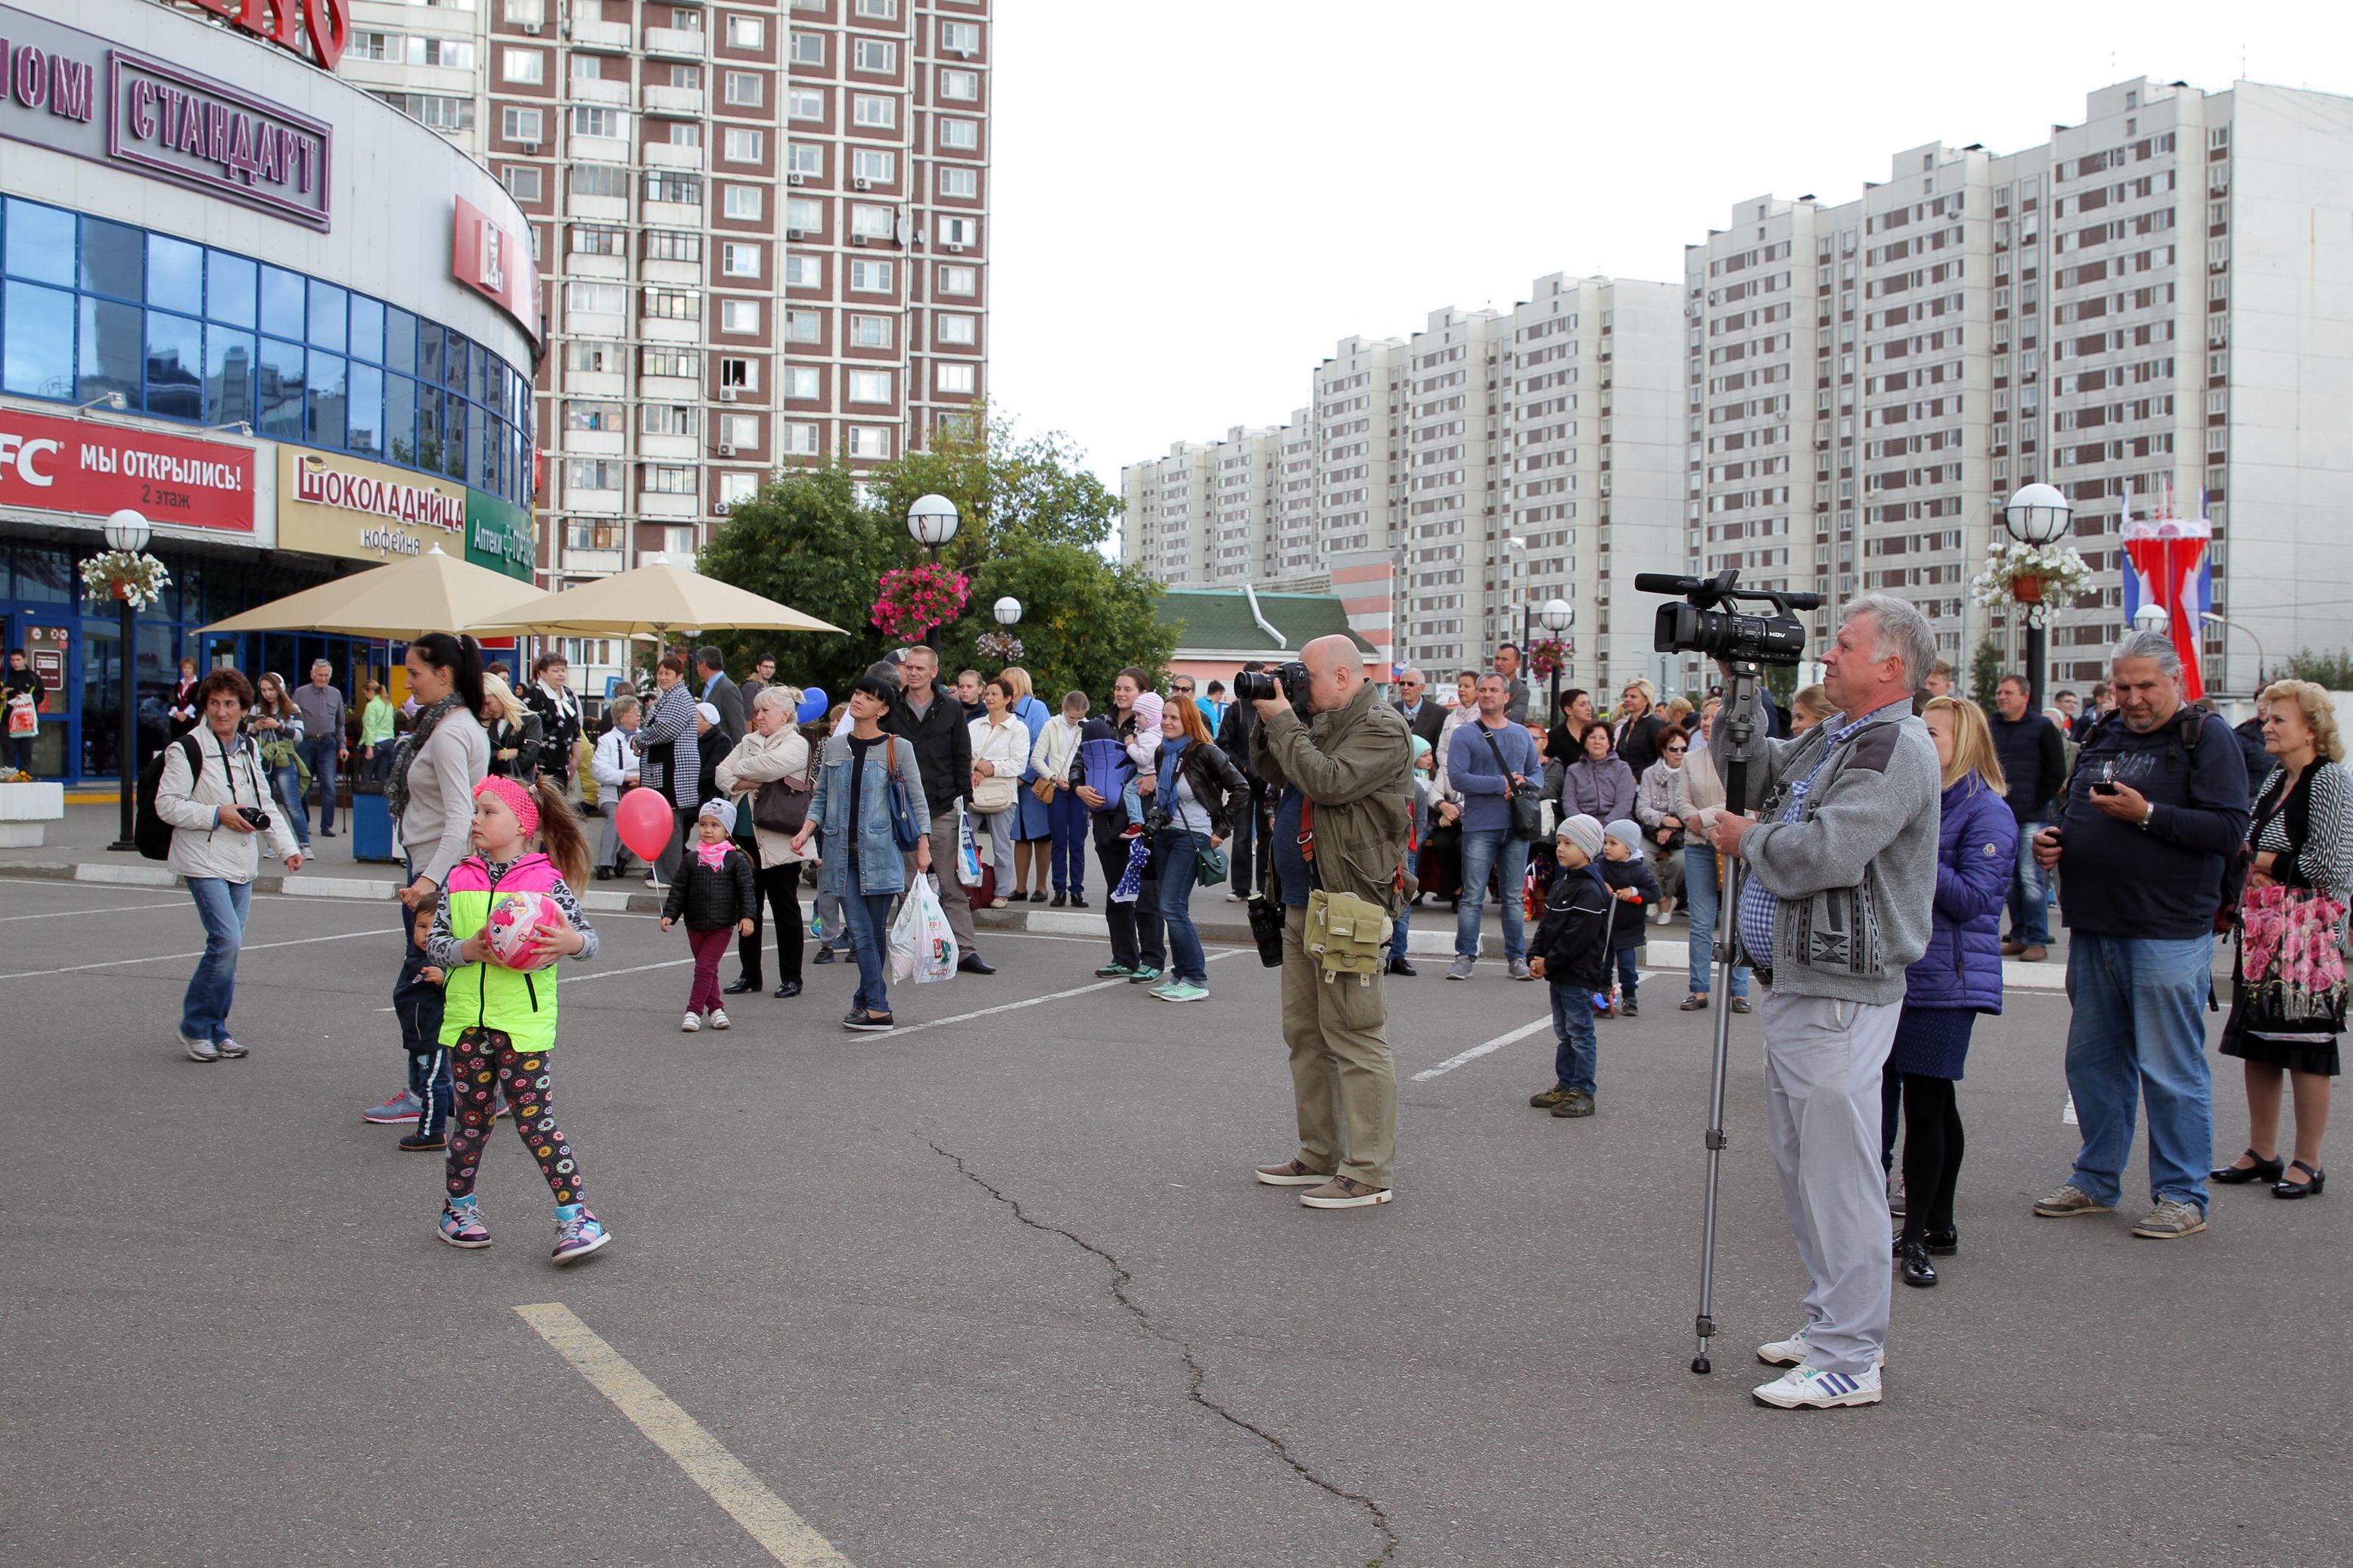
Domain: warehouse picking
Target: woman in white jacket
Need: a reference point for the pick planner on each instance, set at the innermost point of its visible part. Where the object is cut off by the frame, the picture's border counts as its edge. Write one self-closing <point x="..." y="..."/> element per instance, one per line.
<point x="1000" y="754"/>
<point x="219" y="808"/>
<point x="772" y="752"/>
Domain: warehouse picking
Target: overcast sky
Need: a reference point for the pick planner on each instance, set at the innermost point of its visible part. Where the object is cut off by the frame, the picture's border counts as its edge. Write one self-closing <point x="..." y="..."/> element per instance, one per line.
<point x="1195" y="202"/>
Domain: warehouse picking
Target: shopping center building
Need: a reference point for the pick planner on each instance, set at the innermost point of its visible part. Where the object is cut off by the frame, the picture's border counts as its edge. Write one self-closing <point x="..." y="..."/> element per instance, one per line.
<point x="292" y="327"/>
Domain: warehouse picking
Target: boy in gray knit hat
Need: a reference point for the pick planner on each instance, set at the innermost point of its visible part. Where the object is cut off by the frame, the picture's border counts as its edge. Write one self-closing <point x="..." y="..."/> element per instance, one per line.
<point x="1571" y="952"/>
<point x="1637" y="892"/>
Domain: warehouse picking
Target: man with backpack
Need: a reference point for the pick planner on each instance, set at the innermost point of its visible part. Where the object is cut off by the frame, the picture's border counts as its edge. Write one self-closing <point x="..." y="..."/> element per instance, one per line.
<point x="2151" y="825"/>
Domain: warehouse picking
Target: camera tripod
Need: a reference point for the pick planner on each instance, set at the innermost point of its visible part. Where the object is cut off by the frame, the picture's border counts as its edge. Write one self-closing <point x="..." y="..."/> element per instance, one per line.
<point x="1745" y="742"/>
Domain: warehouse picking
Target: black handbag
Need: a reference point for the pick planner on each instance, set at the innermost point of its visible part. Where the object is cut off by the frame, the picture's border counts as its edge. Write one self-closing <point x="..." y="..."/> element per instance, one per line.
<point x="1526" y="799"/>
<point x="781" y="805"/>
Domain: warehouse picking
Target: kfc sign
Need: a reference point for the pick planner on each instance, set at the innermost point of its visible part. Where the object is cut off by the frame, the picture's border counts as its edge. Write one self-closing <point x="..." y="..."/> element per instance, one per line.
<point x="495" y="262"/>
<point x="91" y="470"/>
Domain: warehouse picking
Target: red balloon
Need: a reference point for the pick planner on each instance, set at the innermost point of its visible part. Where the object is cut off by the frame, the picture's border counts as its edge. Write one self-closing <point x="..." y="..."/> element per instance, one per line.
<point x="644" y="820"/>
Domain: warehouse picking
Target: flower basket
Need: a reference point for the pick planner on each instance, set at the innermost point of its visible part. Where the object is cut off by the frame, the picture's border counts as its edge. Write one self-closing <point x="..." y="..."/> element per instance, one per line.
<point x="1004" y="648"/>
<point x="914" y="599"/>
<point x="1548" y="658"/>
<point x="120" y="575"/>
<point x="2038" y="578"/>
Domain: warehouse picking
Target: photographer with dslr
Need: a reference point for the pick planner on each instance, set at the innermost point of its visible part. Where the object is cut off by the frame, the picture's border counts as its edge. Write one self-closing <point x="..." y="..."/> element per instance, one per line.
<point x="1340" y="762"/>
<point x="1834" y="906"/>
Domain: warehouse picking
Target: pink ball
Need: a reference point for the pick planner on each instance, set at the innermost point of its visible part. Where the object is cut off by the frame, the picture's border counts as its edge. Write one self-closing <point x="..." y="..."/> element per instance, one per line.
<point x="517" y="922"/>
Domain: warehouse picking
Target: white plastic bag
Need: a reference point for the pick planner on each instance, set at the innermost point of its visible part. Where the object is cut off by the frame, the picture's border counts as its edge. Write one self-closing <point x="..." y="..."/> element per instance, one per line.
<point x="968" y="870"/>
<point x="922" y="948"/>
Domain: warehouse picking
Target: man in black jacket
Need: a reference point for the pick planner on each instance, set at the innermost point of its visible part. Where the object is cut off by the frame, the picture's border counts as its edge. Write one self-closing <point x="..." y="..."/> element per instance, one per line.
<point x="1423" y="714"/>
<point x="2034" y="763"/>
<point x="932" y="721"/>
<point x="1233" y="738"/>
<point x="711" y="672"/>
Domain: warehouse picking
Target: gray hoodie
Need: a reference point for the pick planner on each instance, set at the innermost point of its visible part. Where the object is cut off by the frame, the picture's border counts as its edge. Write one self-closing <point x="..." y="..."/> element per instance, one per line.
<point x="1856" y="873"/>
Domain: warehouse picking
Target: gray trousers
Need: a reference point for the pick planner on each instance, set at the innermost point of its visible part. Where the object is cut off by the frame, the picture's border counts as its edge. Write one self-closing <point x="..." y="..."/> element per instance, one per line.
<point x="1824" y="1062"/>
<point x="955" y="899"/>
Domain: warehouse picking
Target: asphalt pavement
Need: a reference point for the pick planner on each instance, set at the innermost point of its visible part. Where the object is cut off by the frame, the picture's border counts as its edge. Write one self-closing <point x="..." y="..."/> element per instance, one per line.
<point x="999" y="1288"/>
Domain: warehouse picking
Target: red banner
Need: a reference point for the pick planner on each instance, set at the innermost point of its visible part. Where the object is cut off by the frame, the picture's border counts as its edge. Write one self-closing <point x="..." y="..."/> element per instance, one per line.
<point x="94" y="468"/>
<point x="496" y="262"/>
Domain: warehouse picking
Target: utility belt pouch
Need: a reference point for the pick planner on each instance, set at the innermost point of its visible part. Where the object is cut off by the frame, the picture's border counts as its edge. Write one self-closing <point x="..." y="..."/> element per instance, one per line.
<point x="1344" y="934"/>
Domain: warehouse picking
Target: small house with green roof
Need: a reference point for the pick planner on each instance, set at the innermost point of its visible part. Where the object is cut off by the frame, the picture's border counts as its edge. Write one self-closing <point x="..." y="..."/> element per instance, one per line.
<point x="1220" y="629"/>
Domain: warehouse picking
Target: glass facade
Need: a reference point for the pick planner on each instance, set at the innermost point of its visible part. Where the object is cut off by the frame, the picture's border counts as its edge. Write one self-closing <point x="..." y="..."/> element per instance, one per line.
<point x="181" y="330"/>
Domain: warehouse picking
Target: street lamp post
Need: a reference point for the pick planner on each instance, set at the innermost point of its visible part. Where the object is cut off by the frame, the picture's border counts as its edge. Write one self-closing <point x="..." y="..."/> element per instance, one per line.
<point x="2037" y="515"/>
<point x="2152" y="618"/>
<point x="933" y="522"/>
<point x="1008" y="611"/>
<point x="1557" y="615"/>
<point x="127" y="531"/>
<point x="2210" y="618"/>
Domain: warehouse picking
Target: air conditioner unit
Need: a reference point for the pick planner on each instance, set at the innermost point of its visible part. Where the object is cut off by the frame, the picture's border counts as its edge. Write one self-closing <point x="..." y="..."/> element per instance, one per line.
<point x="953" y="249"/>
<point x="862" y="184"/>
<point x="858" y="240"/>
<point x="796" y="178"/>
<point x="532" y="28"/>
<point x="725" y="450"/>
<point x="724" y="508"/>
<point x="528" y="146"/>
<point x="796" y="234"/>
<point x="726" y="395"/>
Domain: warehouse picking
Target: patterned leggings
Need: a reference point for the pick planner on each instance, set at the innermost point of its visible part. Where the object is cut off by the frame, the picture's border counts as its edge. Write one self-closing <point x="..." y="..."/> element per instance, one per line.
<point x="484" y="1058"/>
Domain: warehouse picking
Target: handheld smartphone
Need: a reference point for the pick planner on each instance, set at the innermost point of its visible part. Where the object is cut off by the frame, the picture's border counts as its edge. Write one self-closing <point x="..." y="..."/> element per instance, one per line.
<point x="2106" y="782"/>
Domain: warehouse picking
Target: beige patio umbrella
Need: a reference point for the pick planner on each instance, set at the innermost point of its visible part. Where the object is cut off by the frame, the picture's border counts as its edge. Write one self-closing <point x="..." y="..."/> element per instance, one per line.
<point x="652" y="600"/>
<point x="430" y="592"/>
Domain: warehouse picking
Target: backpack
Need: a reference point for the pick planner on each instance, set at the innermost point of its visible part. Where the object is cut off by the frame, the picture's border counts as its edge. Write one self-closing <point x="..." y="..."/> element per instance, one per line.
<point x="148" y="830"/>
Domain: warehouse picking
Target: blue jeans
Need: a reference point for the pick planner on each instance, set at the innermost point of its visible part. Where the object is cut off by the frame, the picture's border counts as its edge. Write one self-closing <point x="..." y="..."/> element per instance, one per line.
<point x="417" y="1003"/>
<point x="1481" y="851"/>
<point x="319" y="756"/>
<point x="868" y="916"/>
<point x="1630" y="971"/>
<point x="212" y="989"/>
<point x="1067" y="814"/>
<point x="2139" y="1033"/>
<point x="1178" y="850"/>
<point x="1700" y="897"/>
<point x="2030" y="903"/>
<point x="1576" y="1056"/>
<point x="286" y="784"/>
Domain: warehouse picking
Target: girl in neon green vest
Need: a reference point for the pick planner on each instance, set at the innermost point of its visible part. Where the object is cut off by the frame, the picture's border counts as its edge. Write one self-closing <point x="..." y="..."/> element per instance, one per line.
<point x="500" y="1023"/>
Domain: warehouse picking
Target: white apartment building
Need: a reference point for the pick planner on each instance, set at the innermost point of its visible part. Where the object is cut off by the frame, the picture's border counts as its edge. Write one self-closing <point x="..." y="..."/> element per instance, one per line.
<point x="2148" y="309"/>
<point x="1496" y="460"/>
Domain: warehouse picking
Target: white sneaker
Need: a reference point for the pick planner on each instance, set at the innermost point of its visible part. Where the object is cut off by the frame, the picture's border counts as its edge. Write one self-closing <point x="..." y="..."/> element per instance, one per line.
<point x="1792" y="1351"/>
<point x="690" y="1024"/>
<point x="199" y="1050"/>
<point x="719" y="1017"/>
<point x="1810" y="1388"/>
<point x="229" y="1048"/>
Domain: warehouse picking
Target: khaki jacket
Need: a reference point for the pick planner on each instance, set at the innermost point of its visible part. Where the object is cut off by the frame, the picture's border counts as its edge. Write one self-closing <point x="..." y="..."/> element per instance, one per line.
<point x="1356" y="765"/>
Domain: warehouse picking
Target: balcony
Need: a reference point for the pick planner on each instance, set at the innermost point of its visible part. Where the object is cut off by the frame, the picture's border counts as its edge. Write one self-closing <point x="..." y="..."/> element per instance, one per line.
<point x="593" y="443"/>
<point x="664" y="504"/>
<point x="685" y="100"/>
<point x="589" y="34"/>
<point x="670" y="155"/>
<point x="667" y="329"/>
<point x="596" y="90"/>
<point x="676" y="43"/>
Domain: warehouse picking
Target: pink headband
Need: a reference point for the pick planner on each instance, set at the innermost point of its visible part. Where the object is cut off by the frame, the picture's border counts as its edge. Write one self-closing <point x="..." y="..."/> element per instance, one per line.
<point x="517" y="800"/>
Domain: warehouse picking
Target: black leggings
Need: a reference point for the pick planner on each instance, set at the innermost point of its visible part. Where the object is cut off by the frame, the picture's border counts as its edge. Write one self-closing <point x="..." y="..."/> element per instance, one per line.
<point x="780" y="902"/>
<point x="1932" y="1155"/>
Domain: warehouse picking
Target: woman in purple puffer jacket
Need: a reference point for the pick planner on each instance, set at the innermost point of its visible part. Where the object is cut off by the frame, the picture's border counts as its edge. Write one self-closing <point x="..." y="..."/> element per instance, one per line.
<point x="1958" y="978"/>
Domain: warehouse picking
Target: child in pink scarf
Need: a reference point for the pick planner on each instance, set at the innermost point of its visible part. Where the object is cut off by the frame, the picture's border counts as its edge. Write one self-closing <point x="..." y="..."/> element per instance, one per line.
<point x="718" y="896"/>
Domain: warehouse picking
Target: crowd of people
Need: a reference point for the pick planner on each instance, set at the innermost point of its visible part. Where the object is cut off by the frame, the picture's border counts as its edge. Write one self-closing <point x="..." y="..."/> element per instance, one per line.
<point x="1896" y="847"/>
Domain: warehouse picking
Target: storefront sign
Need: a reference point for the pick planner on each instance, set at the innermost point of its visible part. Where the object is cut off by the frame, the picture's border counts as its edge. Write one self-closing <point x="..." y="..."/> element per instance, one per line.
<point x="46" y="647"/>
<point x="496" y="262"/>
<point x="326" y="25"/>
<point x="92" y="468"/>
<point x="498" y="535"/>
<point x="68" y="91"/>
<point x="333" y="505"/>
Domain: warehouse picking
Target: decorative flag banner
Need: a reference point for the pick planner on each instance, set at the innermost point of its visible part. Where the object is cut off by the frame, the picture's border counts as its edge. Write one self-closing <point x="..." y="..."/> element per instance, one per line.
<point x="2169" y="563"/>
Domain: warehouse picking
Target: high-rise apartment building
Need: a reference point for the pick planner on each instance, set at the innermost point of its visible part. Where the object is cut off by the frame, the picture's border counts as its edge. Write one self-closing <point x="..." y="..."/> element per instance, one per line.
<point x="1495" y="459"/>
<point x="2149" y="310"/>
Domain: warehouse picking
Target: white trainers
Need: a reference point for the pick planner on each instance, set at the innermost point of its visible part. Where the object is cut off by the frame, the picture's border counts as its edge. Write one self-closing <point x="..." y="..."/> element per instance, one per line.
<point x="718" y="1018"/>
<point x="1792" y="1351"/>
<point x="1810" y="1388"/>
<point x="690" y="1024"/>
<point x="199" y="1050"/>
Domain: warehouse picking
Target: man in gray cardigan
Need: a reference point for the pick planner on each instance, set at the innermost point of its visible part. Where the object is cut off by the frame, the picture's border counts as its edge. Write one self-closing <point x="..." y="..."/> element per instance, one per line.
<point x="1834" y="905"/>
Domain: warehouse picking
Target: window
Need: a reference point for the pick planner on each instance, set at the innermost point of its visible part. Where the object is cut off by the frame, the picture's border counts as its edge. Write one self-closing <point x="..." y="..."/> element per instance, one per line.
<point x="743" y="202"/>
<point x="870" y="387"/>
<point x="808" y="49"/>
<point x="524" y="65"/>
<point x="874" y="111"/>
<point x="524" y="125"/>
<point x="746" y="33"/>
<point x="960" y="38"/>
<point x="742" y="373"/>
<point x="958" y="181"/>
<point x="959" y="280"/>
<point x="526" y="12"/>
<point x="743" y="147"/>
<point x="433" y="109"/>
<point x="739" y="260"/>
<point x="804" y="216"/>
<point x="739" y="316"/>
<point x="592" y="474"/>
<point x="596" y="299"/>
<point x="674" y="304"/>
<point x="799" y="440"/>
<point x="960" y="232"/>
<point x="881" y="10"/>
<point x="522" y="181"/>
<point x="800" y="383"/>
<point x="687" y="76"/>
<point x="583" y="535"/>
<point x="806" y="158"/>
<point x="595" y="239"/>
<point x="878" y="55"/>
<point x="588" y="68"/>
<point x="596" y="120"/>
<point x="669" y="419"/>
<point x="685" y="133"/>
<point x="869" y="440"/>
<point x="660" y="359"/>
<point x="955" y="328"/>
<point x="590" y="356"/>
<point x="679" y="542"/>
<point x="664" y="185"/>
<point x="737" y="487"/>
<point x="741" y="431"/>
<point x="870" y="277"/>
<point x="805" y="326"/>
<point x="870" y="222"/>
<point x="804" y="272"/>
<point x="963" y="87"/>
<point x="672" y="245"/>
<point x="667" y="480"/>
<point x="456" y="54"/>
<point x="746" y="88"/>
<point x="870" y="331"/>
<point x="804" y="103"/>
<point x="371" y="46"/>
<point x="956" y="379"/>
<point x="960" y="135"/>
<point x="874" y="166"/>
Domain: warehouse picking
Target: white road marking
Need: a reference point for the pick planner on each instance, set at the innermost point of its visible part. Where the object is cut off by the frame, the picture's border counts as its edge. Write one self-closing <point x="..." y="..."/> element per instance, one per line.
<point x="105" y="909"/>
<point x="1037" y="1001"/>
<point x="765" y="1516"/>
<point x="1475" y="1052"/>
<point x="168" y="957"/>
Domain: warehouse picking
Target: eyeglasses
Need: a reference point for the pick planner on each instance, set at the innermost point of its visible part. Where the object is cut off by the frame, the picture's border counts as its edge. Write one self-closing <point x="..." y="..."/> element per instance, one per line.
<point x="1675" y="750"/>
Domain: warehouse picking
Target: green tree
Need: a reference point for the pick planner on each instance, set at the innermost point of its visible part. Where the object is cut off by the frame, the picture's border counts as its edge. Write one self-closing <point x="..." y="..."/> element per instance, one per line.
<point x="1083" y="619"/>
<point x="1985" y="672"/>
<point x="809" y="542"/>
<point x="2332" y="670"/>
<point x="1009" y="490"/>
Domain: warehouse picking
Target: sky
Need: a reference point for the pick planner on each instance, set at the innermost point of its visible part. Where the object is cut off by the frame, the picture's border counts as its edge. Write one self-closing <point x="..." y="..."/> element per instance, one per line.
<point x="1194" y="203"/>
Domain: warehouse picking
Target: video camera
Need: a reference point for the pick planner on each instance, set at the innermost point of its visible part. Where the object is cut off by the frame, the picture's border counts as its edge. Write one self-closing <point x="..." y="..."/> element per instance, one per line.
<point x="1259" y="685"/>
<point x="1697" y="625"/>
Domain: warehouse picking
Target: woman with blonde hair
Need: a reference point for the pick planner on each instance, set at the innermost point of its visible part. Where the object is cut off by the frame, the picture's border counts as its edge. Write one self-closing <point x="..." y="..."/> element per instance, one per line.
<point x="1955" y="979"/>
<point x="1033" y="829"/>
<point x="2288" y="989"/>
<point x="514" y="729"/>
<point x="1638" y="729"/>
<point x="1808" y="707"/>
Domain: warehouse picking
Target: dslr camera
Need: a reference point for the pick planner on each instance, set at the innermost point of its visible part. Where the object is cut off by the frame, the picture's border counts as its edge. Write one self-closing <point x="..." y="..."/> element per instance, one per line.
<point x="1698" y="625"/>
<point x="255" y="817"/>
<point x="1259" y="685"/>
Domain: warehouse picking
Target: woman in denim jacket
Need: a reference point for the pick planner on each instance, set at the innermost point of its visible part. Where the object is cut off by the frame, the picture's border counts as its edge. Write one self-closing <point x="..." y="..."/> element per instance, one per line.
<point x="861" y="863"/>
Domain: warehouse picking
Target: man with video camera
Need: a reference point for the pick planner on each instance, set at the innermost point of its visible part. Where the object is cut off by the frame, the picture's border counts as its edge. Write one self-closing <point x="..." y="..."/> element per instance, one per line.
<point x="1340" y="762"/>
<point x="1840" y="875"/>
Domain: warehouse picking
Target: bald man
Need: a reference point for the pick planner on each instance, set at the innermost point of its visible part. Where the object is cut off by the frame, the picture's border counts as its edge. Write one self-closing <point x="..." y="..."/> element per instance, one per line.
<point x="1344" y="778"/>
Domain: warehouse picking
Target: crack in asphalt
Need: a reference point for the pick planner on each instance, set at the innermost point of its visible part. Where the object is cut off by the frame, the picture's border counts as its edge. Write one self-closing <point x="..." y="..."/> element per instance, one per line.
<point x="1195" y="1375"/>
